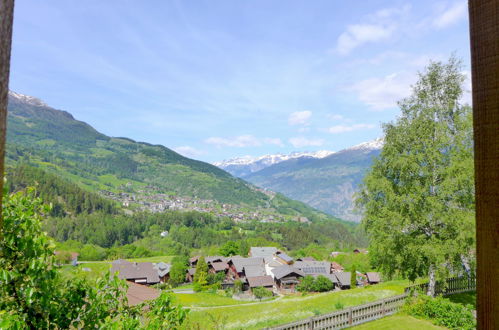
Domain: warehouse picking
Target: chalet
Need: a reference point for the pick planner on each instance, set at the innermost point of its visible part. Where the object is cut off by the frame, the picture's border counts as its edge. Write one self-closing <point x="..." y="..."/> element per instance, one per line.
<point x="236" y="266"/>
<point x="262" y="251"/>
<point x="344" y="279"/>
<point x="210" y="260"/>
<point x="373" y="278"/>
<point x="254" y="271"/>
<point x="193" y="261"/>
<point x="137" y="272"/>
<point x="217" y="267"/>
<point x="316" y="268"/>
<point x="284" y="258"/>
<point x="266" y="282"/>
<point x="336" y="267"/>
<point x="163" y="270"/>
<point x="287" y="277"/>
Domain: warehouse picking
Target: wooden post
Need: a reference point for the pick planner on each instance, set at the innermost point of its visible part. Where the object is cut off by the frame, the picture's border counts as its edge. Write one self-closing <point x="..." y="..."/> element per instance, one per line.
<point x="484" y="37"/>
<point x="6" y="18"/>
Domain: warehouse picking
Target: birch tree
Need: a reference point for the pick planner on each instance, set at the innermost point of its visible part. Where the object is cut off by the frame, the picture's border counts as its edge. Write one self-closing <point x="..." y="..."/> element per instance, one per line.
<point x="418" y="198"/>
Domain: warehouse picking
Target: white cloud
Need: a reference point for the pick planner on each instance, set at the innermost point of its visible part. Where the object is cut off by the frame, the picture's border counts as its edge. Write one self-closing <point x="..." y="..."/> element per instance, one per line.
<point x="299" y="117"/>
<point x="359" y="34"/>
<point x="349" y="128"/>
<point x="383" y="93"/>
<point x="242" y="141"/>
<point x="336" y="117"/>
<point x="300" y="142"/>
<point x="451" y="15"/>
<point x="188" y="151"/>
<point x="379" y="26"/>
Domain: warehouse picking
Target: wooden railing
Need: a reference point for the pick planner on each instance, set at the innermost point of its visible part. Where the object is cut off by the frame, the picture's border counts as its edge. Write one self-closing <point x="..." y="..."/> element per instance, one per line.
<point x="375" y="310"/>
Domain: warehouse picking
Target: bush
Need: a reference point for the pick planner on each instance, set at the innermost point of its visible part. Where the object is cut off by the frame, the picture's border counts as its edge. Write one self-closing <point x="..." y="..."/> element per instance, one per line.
<point x="442" y="312"/>
<point x="339" y="305"/>
<point x="307" y="284"/>
<point x="260" y="292"/>
<point x="238" y="286"/>
<point x="319" y="284"/>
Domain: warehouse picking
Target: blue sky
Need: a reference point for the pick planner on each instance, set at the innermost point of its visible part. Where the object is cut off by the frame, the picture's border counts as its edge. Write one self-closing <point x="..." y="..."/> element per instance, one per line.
<point x="220" y="79"/>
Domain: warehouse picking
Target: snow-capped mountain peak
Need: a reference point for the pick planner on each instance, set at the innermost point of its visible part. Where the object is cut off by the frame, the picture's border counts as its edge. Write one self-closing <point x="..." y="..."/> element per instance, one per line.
<point x="26" y="99"/>
<point x="272" y="159"/>
<point x="370" y="145"/>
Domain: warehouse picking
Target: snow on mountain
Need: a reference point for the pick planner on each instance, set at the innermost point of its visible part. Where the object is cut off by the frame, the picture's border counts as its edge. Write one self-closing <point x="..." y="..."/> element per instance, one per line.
<point x="368" y="146"/>
<point x="26" y="99"/>
<point x="271" y="159"/>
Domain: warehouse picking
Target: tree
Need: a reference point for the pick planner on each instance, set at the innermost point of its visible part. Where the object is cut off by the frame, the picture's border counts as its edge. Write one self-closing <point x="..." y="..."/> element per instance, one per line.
<point x="418" y="198"/>
<point x="230" y="248"/>
<point x="201" y="269"/>
<point x="323" y="284"/>
<point x="353" y="278"/>
<point x="307" y="284"/>
<point x="178" y="270"/>
<point x="260" y="292"/>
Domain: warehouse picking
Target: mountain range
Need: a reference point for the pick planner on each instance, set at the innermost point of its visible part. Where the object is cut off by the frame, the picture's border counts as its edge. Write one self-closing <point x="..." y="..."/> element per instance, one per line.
<point x="325" y="180"/>
<point x="54" y="141"/>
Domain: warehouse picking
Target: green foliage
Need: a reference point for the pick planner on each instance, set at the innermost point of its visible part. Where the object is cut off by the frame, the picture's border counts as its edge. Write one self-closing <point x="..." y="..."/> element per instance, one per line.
<point x="311" y="284"/>
<point x="163" y="314"/>
<point x="34" y="295"/>
<point x="353" y="278"/>
<point x="260" y="292"/>
<point x="339" y="305"/>
<point x="418" y="198"/>
<point x="238" y="286"/>
<point x="178" y="271"/>
<point x="201" y="271"/>
<point x="230" y="248"/>
<point x="442" y="312"/>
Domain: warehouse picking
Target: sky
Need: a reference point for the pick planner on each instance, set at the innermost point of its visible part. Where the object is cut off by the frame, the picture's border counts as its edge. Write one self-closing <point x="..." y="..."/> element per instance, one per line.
<point x="220" y="79"/>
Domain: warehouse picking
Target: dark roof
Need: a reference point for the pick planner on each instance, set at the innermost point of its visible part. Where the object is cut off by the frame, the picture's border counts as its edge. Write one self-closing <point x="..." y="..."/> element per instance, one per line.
<point x="343" y="278"/>
<point x="313" y="267"/>
<point x="219" y="266"/>
<point x="254" y="271"/>
<point x="137" y="293"/>
<point x="264" y="281"/>
<point x="239" y="263"/>
<point x="259" y="251"/>
<point x="193" y="259"/>
<point x="209" y="260"/>
<point x="162" y="268"/>
<point x="373" y="277"/>
<point x="135" y="270"/>
<point x="285" y="270"/>
<point x="285" y="257"/>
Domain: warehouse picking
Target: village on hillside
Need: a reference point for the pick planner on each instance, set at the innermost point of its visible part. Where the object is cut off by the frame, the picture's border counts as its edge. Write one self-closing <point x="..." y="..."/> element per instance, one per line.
<point x="266" y="267"/>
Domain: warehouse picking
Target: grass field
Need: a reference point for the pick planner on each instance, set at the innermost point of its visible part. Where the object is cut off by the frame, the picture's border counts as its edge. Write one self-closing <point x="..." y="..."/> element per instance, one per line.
<point x="396" y="322"/>
<point x="205" y="299"/>
<point x="290" y="308"/>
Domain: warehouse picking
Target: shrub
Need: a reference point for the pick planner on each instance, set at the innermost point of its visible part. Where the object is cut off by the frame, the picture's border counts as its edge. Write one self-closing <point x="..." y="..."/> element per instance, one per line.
<point x="323" y="284"/>
<point x="238" y="286"/>
<point x="339" y="305"/>
<point x="261" y="292"/>
<point x="442" y="312"/>
<point x="307" y="284"/>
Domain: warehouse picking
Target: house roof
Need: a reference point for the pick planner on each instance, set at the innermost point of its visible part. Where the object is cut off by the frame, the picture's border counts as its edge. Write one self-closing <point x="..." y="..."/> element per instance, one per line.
<point x="191" y="271"/>
<point x="211" y="259"/>
<point x="329" y="276"/>
<point x="259" y="251"/>
<point x="285" y="270"/>
<point x="193" y="259"/>
<point x="162" y="268"/>
<point x="135" y="270"/>
<point x="285" y="257"/>
<point x="336" y="266"/>
<point x="373" y="277"/>
<point x="137" y="293"/>
<point x="264" y="281"/>
<point x="239" y="263"/>
<point x="343" y="278"/>
<point x="313" y="267"/>
<point x="254" y="271"/>
<point x="219" y="266"/>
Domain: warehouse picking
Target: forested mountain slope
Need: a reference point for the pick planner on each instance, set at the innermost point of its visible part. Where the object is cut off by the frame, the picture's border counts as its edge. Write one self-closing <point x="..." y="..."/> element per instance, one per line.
<point x="327" y="184"/>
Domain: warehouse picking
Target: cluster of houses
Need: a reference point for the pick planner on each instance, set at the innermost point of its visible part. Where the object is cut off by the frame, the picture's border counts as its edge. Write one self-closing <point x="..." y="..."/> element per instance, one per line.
<point x="265" y="267"/>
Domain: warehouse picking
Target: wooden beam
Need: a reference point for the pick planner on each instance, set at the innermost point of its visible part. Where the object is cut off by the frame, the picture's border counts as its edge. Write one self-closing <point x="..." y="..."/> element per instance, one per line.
<point x="484" y="36"/>
<point x="6" y="18"/>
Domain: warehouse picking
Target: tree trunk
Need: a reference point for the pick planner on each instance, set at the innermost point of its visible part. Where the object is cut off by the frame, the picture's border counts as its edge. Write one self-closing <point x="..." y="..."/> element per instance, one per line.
<point x="484" y="37"/>
<point x="432" y="282"/>
<point x="6" y="16"/>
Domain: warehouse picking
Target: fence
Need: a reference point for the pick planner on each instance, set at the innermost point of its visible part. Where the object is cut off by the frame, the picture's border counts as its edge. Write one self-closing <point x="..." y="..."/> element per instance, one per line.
<point x="375" y="310"/>
<point x="451" y="286"/>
